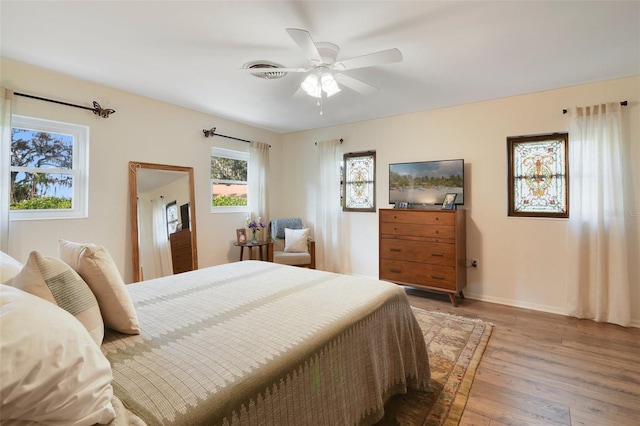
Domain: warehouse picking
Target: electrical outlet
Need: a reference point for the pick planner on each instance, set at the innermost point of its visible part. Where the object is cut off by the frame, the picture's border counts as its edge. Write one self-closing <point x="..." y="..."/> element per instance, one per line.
<point x="474" y="263"/>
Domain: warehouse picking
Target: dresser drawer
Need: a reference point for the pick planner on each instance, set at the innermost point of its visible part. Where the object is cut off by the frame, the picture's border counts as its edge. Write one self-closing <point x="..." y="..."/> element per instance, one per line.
<point x="418" y="273"/>
<point x="417" y="251"/>
<point x="433" y="231"/>
<point x="418" y="217"/>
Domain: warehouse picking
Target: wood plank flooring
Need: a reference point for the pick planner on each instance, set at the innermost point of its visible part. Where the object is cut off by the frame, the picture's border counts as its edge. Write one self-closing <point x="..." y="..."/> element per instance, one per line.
<point x="547" y="369"/>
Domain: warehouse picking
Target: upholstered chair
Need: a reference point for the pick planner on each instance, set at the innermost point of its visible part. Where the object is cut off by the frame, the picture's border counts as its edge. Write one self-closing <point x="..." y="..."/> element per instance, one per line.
<point x="291" y="243"/>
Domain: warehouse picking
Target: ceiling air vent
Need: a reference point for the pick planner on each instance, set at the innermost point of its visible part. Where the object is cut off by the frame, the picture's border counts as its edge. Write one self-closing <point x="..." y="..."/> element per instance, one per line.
<point x="266" y="70"/>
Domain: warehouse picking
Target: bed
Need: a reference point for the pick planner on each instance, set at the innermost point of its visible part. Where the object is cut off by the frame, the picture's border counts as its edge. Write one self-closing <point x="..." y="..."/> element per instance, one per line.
<point x="251" y="343"/>
<point x="246" y="343"/>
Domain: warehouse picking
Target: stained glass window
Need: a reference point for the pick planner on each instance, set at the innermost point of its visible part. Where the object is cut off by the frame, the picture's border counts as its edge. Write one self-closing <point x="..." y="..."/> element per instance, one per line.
<point x="538" y="175"/>
<point x="172" y="218"/>
<point x="359" y="181"/>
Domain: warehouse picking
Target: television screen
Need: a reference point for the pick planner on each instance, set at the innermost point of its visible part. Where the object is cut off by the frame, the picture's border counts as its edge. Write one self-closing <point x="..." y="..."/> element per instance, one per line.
<point x="426" y="182"/>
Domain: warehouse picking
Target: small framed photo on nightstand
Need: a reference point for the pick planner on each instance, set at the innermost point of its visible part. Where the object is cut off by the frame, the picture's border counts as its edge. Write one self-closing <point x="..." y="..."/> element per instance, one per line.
<point x="241" y="235"/>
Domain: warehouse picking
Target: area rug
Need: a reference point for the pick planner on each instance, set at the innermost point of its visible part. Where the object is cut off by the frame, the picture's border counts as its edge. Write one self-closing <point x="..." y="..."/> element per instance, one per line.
<point x="455" y="345"/>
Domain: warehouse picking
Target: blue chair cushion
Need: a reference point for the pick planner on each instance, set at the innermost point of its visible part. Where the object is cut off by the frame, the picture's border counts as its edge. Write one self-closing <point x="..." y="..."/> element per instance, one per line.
<point x="278" y="226"/>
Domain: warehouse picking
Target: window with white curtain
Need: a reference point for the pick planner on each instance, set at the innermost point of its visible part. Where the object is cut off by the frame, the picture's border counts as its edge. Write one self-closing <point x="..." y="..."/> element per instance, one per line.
<point x="229" y="184"/>
<point x="49" y="169"/>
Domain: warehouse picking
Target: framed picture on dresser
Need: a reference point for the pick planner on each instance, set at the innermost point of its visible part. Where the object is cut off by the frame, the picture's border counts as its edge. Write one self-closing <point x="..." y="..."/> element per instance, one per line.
<point x="449" y="201"/>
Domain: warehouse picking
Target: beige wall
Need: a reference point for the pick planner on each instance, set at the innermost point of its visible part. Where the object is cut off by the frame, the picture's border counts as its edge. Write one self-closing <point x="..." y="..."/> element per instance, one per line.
<point x="141" y="130"/>
<point x="521" y="261"/>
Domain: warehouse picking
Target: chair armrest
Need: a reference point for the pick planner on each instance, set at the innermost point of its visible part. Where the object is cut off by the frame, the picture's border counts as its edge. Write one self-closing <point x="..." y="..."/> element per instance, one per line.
<point x="270" y="251"/>
<point x="312" y="252"/>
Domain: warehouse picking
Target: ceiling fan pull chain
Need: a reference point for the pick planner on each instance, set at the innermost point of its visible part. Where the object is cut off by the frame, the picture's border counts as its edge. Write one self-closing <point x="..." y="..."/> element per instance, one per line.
<point x="320" y="103"/>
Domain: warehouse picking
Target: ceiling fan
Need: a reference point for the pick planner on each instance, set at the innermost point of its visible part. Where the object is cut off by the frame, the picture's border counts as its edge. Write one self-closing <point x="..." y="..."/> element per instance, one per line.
<point x="324" y="70"/>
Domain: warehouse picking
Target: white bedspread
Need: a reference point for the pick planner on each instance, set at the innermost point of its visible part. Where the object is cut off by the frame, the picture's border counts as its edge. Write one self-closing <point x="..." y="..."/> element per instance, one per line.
<point x="252" y="343"/>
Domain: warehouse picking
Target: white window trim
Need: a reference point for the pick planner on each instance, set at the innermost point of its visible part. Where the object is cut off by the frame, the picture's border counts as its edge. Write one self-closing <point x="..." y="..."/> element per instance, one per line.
<point x="234" y="155"/>
<point x="79" y="171"/>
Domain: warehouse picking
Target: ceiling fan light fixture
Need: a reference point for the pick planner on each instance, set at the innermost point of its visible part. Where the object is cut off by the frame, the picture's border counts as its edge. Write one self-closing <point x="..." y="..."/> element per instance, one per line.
<point x="311" y="85"/>
<point x="329" y="84"/>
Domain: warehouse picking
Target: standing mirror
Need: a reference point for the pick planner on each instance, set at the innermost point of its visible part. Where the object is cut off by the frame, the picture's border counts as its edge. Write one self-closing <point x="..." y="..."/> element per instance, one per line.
<point x="163" y="220"/>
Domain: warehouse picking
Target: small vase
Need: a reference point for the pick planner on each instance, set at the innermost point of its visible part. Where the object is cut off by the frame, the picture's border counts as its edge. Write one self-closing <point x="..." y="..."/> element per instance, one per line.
<point x="255" y="238"/>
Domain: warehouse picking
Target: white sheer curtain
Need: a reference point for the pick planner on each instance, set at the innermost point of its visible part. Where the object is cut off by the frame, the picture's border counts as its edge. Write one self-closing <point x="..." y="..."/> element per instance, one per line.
<point x="258" y="175"/>
<point x="6" y="97"/>
<point x="162" y="248"/>
<point x="328" y="232"/>
<point x="599" y="286"/>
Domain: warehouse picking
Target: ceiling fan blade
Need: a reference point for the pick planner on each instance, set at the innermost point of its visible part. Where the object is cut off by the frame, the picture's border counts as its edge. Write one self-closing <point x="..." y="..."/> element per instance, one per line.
<point x="305" y="42"/>
<point x="378" y="58"/>
<point x="355" y="84"/>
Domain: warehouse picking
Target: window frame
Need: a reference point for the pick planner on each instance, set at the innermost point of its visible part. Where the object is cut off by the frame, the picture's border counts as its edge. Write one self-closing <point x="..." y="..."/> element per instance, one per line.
<point x="560" y="170"/>
<point x="345" y="161"/>
<point x="173" y="205"/>
<point x="233" y="155"/>
<point x="79" y="168"/>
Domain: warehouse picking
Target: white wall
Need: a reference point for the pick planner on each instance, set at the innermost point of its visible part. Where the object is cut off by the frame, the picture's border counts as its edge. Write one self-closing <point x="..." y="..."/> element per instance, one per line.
<point x="141" y="130"/>
<point x="522" y="261"/>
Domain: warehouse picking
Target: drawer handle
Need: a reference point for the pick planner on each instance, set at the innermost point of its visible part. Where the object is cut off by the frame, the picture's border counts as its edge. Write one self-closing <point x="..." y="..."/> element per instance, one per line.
<point x="395" y="249"/>
<point x="396" y="271"/>
<point x="437" y="254"/>
<point x="437" y="277"/>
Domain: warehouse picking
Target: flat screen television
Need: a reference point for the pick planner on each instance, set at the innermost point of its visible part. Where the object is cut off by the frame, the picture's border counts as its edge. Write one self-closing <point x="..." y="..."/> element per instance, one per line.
<point x="426" y="182"/>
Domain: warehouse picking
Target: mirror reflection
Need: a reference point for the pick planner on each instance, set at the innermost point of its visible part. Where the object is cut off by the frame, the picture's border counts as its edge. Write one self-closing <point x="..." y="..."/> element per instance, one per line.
<point x="163" y="225"/>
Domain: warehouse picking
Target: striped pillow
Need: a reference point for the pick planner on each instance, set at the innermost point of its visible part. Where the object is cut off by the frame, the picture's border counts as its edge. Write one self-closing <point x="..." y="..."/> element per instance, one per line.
<point x="55" y="281"/>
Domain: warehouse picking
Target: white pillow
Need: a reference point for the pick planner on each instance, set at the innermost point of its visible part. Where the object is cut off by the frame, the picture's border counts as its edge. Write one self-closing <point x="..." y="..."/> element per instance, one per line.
<point x="52" y="372"/>
<point x="55" y="281"/>
<point x="9" y="268"/>
<point x="97" y="268"/>
<point x="295" y="240"/>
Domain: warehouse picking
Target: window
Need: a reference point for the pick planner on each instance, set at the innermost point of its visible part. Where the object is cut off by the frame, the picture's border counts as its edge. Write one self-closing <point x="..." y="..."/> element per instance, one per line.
<point x="229" y="180"/>
<point x="49" y="172"/>
<point x="538" y="175"/>
<point x="172" y="218"/>
<point x="359" y="182"/>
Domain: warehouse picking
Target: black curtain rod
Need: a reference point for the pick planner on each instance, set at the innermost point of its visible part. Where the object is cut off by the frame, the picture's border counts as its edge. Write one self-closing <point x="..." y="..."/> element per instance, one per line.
<point x="97" y="109"/>
<point x="341" y="140"/>
<point x="623" y="103"/>
<point x="212" y="132"/>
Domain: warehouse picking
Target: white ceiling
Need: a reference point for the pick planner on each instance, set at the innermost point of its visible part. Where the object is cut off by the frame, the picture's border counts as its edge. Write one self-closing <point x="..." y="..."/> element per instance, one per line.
<point x="189" y="53"/>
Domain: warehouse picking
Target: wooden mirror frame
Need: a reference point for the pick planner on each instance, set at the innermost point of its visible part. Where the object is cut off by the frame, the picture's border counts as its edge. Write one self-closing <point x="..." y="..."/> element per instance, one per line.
<point x="134" y="166"/>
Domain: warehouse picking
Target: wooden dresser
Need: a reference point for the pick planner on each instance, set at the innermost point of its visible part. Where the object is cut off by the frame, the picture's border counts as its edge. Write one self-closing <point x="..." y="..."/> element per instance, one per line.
<point x="181" y="252"/>
<point x="425" y="249"/>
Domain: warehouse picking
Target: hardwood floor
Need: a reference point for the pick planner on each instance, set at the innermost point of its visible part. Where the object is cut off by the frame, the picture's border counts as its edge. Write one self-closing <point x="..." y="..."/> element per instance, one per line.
<point x="547" y="369"/>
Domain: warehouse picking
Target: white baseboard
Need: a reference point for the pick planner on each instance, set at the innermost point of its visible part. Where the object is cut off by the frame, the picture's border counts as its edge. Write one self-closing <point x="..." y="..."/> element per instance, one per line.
<point x="514" y="303"/>
<point x="533" y="306"/>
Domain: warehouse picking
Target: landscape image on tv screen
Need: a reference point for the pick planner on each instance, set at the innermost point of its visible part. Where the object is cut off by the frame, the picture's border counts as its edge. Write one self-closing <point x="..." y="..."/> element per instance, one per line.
<point x="426" y="182"/>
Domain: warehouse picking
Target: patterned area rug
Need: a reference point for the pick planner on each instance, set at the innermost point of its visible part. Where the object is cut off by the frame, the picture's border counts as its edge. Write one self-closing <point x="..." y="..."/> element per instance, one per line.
<point x="456" y="345"/>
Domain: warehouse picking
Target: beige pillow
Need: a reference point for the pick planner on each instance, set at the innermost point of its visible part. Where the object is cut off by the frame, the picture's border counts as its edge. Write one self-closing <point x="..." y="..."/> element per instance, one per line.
<point x="55" y="281"/>
<point x="295" y="240"/>
<point x="9" y="268"/>
<point x="96" y="266"/>
<point x="52" y="373"/>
